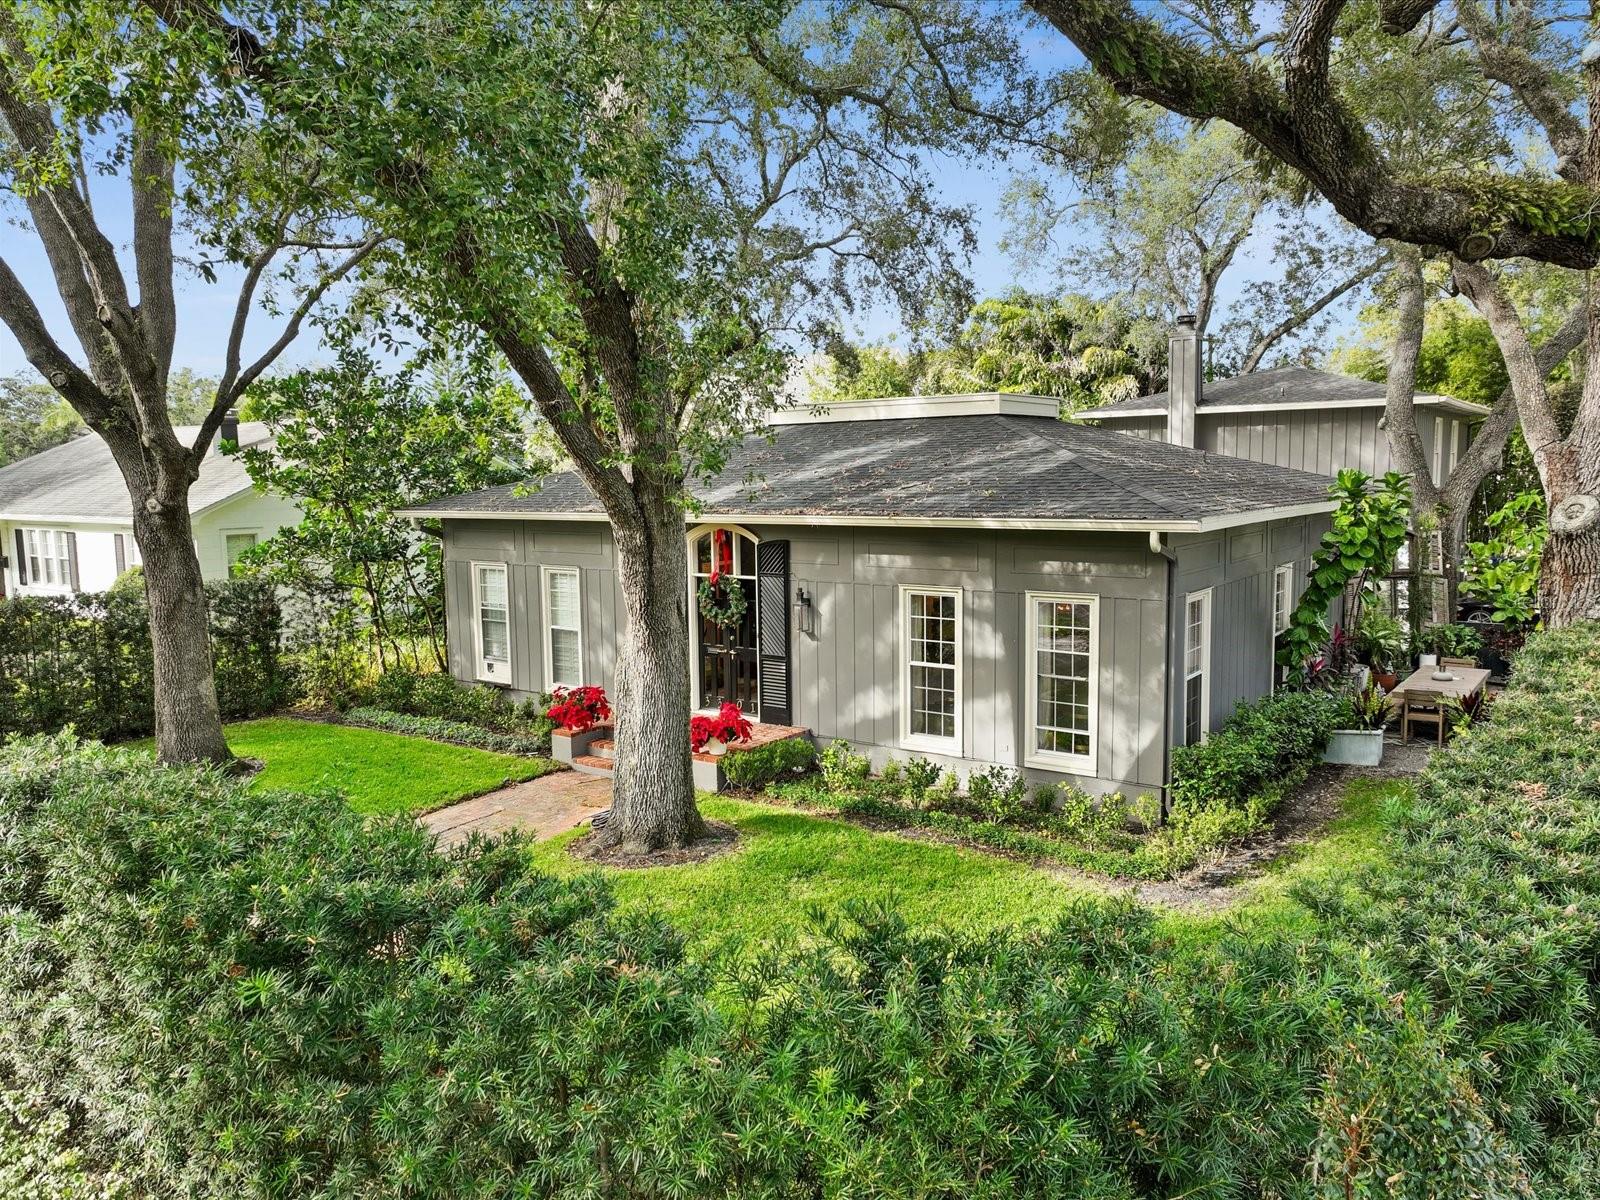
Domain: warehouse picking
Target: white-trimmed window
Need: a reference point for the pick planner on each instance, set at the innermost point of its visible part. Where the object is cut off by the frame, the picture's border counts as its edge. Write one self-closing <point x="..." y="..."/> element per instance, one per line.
<point x="1196" y="666"/>
<point x="236" y="545"/>
<point x="1455" y="447"/>
<point x="1282" y="597"/>
<point x="49" y="558"/>
<point x="1063" y="681"/>
<point x="930" y="683"/>
<point x="492" y="628"/>
<point x="563" y="627"/>
<point x="1438" y="450"/>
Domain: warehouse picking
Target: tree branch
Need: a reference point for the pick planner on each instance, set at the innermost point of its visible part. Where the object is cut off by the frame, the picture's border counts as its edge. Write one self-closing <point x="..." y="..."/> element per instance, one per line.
<point x="1400" y="390"/>
<point x="152" y="183"/>
<point x="71" y="382"/>
<point x="1299" y="316"/>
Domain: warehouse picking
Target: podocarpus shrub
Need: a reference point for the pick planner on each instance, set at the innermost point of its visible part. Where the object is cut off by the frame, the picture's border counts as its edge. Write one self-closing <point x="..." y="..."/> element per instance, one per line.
<point x="761" y="765"/>
<point x="265" y="995"/>
<point x="1263" y="748"/>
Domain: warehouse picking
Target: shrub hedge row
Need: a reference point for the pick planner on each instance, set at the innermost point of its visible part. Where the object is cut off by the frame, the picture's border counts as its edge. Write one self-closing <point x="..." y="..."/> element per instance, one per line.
<point x="85" y="660"/>
<point x="440" y="729"/>
<point x="265" y="995"/>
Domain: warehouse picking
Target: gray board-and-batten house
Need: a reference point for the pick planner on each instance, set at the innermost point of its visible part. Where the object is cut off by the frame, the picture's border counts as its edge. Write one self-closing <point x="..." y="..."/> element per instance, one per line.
<point x="966" y="578"/>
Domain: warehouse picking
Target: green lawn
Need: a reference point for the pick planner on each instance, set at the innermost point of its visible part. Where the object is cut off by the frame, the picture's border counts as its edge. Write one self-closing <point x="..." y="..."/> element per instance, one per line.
<point x="788" y="862"/>
<point x="379" y="772"/>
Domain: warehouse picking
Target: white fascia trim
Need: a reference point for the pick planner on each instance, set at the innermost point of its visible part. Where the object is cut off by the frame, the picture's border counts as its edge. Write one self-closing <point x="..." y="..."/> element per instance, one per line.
<point x="1199" y="525"/>
<point x="59" y="519"/>
<point x="899" y="408"/>
<point x="1448" y="403"/>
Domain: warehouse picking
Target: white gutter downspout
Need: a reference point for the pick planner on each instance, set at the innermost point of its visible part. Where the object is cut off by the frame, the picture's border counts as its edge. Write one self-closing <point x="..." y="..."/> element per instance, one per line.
<point x="1157" y="546"/>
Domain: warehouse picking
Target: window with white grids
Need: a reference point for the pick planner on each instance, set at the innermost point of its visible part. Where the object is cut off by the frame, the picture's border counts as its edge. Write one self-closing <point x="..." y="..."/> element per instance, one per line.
<point x="1062" y="683"/>
<point x="931" y="684"/>
<point x="49" y="554"/>
<point x="1282" y="597"/>
<point x="1196" y="666"/>
<point x="493" y="625"/>
<point x="563" y="628"/>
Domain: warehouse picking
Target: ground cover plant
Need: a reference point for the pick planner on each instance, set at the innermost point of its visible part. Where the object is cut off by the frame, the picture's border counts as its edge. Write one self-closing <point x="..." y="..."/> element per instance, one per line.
<point x="441" y="729"/>
<point x="1224" y="790"/>
<point x="247" y="992"/>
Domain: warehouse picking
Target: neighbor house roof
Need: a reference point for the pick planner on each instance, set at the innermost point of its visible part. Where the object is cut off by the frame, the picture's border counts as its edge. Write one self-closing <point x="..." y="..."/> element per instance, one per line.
<point x="1281" y="388"/>
<point x="78" y="481"/>
<point x="993" y="461"/>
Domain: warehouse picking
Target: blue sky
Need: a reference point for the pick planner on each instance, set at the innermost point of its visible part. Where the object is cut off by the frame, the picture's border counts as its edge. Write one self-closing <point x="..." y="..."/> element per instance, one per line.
<point x="205" y="309"/>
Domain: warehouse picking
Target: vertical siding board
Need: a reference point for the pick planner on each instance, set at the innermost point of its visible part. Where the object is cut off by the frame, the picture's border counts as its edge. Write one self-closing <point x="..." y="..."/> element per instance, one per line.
<point x="1011" y="667"/>
<point x="844" y="662"/>
<point x="884" y="690"/>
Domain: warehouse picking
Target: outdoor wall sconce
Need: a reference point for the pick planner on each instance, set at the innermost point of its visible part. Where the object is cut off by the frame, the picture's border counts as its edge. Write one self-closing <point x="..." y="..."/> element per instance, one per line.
<point x="803" y="612"/>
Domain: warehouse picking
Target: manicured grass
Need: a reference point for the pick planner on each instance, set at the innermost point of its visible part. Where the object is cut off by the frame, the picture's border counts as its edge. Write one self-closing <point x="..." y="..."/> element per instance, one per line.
<point x="789" y="863"/>
<point x="378" y="772"/>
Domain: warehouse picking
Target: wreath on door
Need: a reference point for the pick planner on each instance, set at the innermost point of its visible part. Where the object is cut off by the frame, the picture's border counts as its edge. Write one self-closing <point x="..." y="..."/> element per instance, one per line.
<point x="722" y="598"/>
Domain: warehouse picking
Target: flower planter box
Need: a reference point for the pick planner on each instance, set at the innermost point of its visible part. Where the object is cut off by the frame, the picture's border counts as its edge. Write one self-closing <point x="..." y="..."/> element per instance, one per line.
<point x="567" y="744"/>
<point x="1355" y="748"/>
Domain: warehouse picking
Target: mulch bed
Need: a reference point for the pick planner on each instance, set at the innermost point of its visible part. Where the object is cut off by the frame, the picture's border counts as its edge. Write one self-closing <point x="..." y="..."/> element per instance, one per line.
<point x="720" y="839"/>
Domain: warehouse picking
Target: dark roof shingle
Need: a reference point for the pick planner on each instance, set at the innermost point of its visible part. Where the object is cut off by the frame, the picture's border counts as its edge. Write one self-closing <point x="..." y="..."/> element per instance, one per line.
<point x="989" y="467"/>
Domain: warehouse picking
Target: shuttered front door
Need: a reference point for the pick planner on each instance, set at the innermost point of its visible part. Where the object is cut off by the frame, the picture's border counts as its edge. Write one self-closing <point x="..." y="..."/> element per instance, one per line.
<point x="772" y="593"/>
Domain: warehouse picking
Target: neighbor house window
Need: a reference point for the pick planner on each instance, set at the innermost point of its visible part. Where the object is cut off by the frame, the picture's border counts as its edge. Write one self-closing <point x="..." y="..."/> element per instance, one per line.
<point x="1455" y="447"/>
<point x="563" y="629"/>
<point x="1282" y="597"/>
<point x="931" y="685"/>
<point x="49" y="555"/>
<point x="1062" y="679"/>
<point x="1196" y="666"/>
<point x="236" y="544"/>
<point x="494" y="622"/>
<point x="1438" y="450"/>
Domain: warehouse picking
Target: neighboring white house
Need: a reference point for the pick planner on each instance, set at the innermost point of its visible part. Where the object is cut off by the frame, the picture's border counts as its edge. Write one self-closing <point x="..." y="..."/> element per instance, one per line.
<point x="66" y="522"/>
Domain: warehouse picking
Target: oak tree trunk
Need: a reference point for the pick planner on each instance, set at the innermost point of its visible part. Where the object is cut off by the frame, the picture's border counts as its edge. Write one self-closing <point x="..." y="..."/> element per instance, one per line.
<point x="188" y="721"/>
<point x="1569" y="577"/>
<point x="652" y="804"/>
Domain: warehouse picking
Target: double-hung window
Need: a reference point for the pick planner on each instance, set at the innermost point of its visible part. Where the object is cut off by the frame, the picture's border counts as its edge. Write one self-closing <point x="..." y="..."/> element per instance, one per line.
<point x="1282" y="597"/>
<point x="563" y="628"/>
<point x="236" y="546"/>
<point x="1062" y="681"/>
<point x="48" y="558"/>
<point x="931" y="676"/>
<point x="1196" y="666"/>
<point x="492" y="626"/>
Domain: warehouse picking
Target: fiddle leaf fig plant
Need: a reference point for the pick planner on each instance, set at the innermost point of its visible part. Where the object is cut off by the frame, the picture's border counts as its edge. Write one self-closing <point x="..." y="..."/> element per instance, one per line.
<point x="1369" y="527"/>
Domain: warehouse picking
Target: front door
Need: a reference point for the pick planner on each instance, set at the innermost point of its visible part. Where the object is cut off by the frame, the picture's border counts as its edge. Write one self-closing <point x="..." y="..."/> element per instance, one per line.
<point x="729" y="654"/>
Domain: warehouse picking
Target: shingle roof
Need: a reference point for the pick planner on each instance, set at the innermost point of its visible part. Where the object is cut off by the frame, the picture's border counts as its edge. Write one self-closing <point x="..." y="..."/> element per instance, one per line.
<point x="78" y="480"/>
<point x="998" y="468"/>
<point x="1298" y="386"/>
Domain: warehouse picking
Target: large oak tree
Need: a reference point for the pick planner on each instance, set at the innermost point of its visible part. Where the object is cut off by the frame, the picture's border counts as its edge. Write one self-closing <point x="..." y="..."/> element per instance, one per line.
<point x="93" y="95"/>
<point x="642" y="207"/>
<point x="1295" y="87"/>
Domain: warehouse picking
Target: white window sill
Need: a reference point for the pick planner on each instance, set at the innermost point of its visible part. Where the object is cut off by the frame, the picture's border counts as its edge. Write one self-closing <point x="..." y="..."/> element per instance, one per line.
<point x="1062" y="764"/>
<point x="950" y="747"/>
<point x="504" y="680"/>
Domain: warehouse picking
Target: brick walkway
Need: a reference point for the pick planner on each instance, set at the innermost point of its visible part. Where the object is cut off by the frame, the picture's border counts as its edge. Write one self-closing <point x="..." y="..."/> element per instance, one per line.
<point x="541" y="807"/>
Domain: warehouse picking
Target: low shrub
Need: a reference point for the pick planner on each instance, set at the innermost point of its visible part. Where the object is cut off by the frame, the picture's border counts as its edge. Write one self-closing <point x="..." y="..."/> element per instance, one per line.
<point x="439" y="696"/>
<point x="842" y="768"/>
<point x="237" y="994"/>
<point x="441" y="730"/>
<point x="1244" y="764"/>
<point x="1000" y="793"/>
<point x="765" y="764"/>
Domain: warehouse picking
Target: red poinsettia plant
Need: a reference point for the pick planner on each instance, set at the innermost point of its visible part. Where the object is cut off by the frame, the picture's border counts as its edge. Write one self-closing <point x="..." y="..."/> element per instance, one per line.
<point x="728" y="726"/>
<point x="578" y="708"/>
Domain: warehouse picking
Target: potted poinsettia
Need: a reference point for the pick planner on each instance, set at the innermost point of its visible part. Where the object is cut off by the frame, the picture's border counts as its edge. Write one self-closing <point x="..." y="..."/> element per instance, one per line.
<point x="713" y="735"/>
<point x="580" y="715"/>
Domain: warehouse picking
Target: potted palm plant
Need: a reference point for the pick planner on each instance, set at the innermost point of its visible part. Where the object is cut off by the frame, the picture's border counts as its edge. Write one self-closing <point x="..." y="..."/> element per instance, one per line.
<point x="1380" y="642"/>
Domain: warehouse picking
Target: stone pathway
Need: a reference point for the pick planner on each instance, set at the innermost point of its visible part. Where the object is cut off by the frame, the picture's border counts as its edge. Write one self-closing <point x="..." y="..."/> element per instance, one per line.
<point x="541" y="807"/>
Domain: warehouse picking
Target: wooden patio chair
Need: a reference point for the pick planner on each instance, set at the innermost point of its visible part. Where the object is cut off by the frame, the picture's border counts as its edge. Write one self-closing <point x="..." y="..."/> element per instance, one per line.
<point x="1470" y="664"/>
<point x="1422" y="708"/>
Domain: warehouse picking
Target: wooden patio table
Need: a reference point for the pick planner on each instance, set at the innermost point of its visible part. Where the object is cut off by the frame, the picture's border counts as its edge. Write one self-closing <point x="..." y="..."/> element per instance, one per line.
<point x="1468" y="682"/>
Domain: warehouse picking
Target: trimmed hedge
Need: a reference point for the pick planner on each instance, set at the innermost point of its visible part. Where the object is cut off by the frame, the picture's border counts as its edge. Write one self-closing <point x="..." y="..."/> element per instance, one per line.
<point x="85" y="660"/>
<point x="1260" y="753"/>
<point x="761" y="765"/>
<point x="222" y="1020"/>
<point x="442" y="730"/>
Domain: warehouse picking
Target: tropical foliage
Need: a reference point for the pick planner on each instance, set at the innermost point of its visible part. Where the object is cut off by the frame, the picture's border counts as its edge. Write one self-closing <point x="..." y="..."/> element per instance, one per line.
<point x="1368" y="530"/>
<point x="1503" y="569"/>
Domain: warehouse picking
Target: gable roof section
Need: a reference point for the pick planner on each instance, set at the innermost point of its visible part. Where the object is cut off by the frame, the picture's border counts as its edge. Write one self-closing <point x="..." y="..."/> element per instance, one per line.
<point x="1280" y="388"/>
<point x="78" y="481"/>
<point x="992" y="470"/>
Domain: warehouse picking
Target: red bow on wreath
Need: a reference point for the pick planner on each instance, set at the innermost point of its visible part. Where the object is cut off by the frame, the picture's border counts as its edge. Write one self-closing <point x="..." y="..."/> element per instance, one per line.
<point x="721" y="555"/>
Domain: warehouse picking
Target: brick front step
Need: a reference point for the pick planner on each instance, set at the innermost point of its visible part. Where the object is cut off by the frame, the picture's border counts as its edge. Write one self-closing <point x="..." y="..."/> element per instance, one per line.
<point x="603" y="748"/>
<point x="593" y="764"/>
